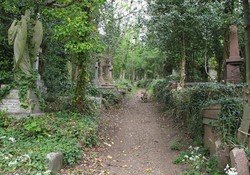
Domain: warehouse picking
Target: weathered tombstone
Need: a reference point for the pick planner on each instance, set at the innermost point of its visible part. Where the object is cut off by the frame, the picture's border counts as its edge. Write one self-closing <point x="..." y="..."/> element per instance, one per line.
<point x="54" y="161"/>
<point x="26" y="48"/>
<point x="105" y="76"/>
<point x="234" y="61"/>
<point x="239" y="161"/>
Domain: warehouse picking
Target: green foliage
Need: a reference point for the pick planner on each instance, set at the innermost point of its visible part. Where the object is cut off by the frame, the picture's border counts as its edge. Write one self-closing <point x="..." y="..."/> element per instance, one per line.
<point x="229" y="118"/>
<point x="24" y="143"/>
<point x="111" y="97"/>
<point x="198" y="162"/>
<point x="124" y="84"/>
<point x="176" y="145"/>
<point x="186" y="105"/>
<point x="144" y="83"/>
<point x="196" y="29"/>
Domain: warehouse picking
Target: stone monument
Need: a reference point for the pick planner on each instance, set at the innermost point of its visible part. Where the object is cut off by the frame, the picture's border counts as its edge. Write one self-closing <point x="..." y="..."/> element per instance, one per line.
<point x="105" y="72"/>
<point x="234" y="61"/>
<point x="26" y="50"/>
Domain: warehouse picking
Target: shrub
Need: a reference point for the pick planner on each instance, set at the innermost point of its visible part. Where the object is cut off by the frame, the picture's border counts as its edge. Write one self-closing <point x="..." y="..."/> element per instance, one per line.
<point x="111" y="97"/>
<point x="124" y="84"/>
<point x="186" y="105"/>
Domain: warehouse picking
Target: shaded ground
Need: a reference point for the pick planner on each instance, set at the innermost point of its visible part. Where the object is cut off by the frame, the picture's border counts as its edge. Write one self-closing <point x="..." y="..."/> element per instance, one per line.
<point x="137" y="140"/>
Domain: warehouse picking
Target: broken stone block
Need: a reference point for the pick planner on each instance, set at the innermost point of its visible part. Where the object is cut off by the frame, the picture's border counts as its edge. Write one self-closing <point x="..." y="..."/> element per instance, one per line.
<point x="239" y="161"/>
<point x="54" y="161"/>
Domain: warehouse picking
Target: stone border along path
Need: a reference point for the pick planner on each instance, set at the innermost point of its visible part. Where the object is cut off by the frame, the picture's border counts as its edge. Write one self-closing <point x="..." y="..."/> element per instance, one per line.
<point x="137" y="142"/>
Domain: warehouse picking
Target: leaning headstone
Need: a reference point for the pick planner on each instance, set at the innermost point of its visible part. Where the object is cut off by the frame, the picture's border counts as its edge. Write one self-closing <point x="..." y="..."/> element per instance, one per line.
<point x="234" y="61"/>
<point x="54" y="161"/>
<point x="239" y="161"/>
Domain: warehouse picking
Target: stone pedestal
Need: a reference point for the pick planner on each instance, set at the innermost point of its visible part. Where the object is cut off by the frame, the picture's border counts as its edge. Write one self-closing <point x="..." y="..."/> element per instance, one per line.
<point x="234" y="61"/>
<point x="211" y="138"/>
<point x="12" y="105"/>
<point x="210" y="116"/>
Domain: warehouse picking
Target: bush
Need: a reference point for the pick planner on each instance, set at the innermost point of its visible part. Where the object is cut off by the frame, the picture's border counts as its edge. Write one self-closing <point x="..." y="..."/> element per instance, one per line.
<point x="111" y="97"/>
<point x="124" y="84"/>
<point x="187" y="104"/>
<point x="24" y="143"/>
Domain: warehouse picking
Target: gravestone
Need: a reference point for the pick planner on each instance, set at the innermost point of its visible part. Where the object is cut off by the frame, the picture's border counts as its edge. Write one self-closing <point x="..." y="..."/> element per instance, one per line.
<point x="26" y="37"/>
<point x="234" y="61"/>
<point x="105" y="72"/>
<point x="12" y="104"/>
<point x="54" y="161"/>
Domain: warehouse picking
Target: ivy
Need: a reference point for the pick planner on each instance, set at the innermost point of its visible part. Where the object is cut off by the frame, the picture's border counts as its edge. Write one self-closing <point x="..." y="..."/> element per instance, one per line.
<point x="186" y="105"/>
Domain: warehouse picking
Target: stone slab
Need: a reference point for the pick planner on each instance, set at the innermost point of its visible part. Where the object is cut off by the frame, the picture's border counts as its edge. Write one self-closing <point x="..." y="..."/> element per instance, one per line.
<point x="239" y="161"/>
<point x="12" y="105"/>
<point x="54" y="161"/>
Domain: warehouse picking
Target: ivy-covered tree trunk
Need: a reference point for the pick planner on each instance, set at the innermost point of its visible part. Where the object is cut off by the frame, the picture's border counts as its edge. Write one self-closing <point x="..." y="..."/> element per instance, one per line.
<point x="81" y="83"/>
<point x="245" y="123"/>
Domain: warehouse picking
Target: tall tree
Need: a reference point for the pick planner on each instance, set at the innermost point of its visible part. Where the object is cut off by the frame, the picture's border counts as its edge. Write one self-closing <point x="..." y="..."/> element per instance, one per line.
<point x="245" y="124"/>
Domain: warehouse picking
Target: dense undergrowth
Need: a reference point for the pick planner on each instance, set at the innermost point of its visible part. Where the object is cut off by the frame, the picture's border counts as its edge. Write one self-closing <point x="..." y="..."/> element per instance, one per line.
<point x="186" y="105"/>
<point x="24" y="143"/>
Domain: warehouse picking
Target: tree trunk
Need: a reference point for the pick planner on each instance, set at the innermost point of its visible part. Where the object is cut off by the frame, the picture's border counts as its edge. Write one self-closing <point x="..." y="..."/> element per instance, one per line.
<point x="245" y="123"/>
<point x="183" y="63"/>
<point x="81" y="83"/>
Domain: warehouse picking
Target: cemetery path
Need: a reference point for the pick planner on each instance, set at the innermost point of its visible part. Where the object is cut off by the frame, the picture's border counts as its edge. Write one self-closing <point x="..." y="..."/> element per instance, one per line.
<point x="136" y="141"/>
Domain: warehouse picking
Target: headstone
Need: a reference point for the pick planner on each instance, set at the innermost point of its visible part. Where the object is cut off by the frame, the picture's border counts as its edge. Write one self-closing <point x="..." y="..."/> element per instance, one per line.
<point x="234" y="61"/>
<point x="239" y="161"/>
<point x="105" y="73"/>
<point x="12" y="105"/>
<point x="54" y="161"/>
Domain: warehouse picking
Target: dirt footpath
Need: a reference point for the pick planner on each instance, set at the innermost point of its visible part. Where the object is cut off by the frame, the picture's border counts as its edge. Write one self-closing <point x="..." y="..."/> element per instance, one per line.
<point x="140" y="139"/>
<point x="136" y="141"/>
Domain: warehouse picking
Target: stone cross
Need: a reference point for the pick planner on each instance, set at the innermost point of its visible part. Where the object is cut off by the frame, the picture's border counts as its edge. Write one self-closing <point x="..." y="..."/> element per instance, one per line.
<point x="234" y="61"/>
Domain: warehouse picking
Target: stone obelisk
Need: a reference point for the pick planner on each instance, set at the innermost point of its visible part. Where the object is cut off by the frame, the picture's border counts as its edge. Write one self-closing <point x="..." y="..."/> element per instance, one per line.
<point x="234" y="61"/>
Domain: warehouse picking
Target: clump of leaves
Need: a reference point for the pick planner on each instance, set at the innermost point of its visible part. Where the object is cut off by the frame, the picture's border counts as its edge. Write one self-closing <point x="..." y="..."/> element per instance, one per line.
<point x="176" y="145"/>
<point x="111" y="97"/>
<point x="198" y="161"/>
